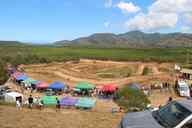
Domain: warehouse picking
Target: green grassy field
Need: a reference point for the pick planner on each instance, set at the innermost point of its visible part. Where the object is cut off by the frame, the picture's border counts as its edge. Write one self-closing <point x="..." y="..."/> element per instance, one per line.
<point x="67" y="53"/>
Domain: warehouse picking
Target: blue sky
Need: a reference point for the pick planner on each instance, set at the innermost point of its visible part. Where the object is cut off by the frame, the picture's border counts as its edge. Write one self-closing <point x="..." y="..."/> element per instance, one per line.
<point x="52" y="20"/>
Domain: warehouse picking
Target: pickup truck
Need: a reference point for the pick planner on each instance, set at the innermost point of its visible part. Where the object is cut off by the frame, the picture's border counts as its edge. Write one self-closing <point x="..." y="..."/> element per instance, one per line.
<point x="176" y="114"/>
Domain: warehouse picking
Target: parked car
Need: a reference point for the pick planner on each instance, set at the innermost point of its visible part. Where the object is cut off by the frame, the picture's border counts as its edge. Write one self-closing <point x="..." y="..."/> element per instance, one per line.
<point x="176" y="114"/>
<point x="183" y="89"/>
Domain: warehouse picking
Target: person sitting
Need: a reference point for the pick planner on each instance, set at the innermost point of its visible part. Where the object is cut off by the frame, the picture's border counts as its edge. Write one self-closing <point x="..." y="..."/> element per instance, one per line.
<point x="170" y="100"/>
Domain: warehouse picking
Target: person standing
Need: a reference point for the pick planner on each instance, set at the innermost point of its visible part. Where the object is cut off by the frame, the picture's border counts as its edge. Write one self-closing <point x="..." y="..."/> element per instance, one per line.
<point x="30" y="101"/>
<point x="18" y="104"/>
<point x="58" y="105"/>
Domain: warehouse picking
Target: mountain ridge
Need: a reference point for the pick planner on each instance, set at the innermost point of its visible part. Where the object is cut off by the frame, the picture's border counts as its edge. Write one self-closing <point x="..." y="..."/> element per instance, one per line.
<point x="132" y="39"/>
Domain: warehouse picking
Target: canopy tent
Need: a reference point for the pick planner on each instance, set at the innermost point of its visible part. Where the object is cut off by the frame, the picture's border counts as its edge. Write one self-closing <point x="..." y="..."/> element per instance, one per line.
<point x="11" y="97"/>
<point x="109" y="88"/>
<point x="49" y="100"/>
<point x="16" y="74"/>
<point x="85" y="103"/>
<point x="21" y="77"/>
<point x="68" y="101"/>
<point x="134" y="86"/>
<point x="56" y="86"/>
<point x="76" y="90"/>
<point x="84" y="86"/>
<point x="42" y="85"/>
<point x="11" y="70"/>
<point x="29" y="81"/>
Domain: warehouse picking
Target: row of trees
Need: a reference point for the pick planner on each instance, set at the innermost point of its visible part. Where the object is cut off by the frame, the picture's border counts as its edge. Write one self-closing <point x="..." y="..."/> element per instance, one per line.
<point x="16" y="60"/>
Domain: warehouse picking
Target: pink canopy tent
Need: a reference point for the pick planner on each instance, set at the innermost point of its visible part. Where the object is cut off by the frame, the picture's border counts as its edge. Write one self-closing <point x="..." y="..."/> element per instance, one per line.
<point x="42" y="85"/>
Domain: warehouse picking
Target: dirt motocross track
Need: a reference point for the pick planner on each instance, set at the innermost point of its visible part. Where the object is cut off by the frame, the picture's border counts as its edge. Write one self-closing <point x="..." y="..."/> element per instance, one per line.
<point x="100" y="72"/>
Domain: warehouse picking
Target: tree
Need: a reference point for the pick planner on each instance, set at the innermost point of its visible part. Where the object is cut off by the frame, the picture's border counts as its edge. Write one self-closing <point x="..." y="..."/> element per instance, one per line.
<point x="132" y="99"/>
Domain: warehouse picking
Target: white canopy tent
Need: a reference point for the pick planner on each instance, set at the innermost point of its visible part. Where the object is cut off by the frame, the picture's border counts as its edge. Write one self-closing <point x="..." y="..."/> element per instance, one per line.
<point x="11" y="97"/>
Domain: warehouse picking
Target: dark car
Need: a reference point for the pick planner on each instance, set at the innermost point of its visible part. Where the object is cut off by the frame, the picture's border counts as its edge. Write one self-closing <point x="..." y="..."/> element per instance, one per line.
<point x="177" y="114"/>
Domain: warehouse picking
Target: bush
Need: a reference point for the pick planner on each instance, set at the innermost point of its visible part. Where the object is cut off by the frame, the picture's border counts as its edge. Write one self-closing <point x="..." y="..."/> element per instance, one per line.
<point x="131" y="99"/>
<point x="146" y="71"/>
<point x="3" y="74"/>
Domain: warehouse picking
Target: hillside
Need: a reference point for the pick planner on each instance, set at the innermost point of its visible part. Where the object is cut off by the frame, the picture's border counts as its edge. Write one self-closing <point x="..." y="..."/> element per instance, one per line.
<point x="133" y="39"/>
<point x="10" y="43"/>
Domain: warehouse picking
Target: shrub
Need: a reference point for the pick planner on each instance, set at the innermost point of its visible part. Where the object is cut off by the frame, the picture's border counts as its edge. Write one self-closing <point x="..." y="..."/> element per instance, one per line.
<point x="3" y="74"/>
<point x="146" y="71"/>
<point x="132" y="99"/>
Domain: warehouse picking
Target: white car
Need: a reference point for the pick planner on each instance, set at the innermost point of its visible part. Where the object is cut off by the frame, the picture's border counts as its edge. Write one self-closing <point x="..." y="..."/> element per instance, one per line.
<point x="183" y="89"/>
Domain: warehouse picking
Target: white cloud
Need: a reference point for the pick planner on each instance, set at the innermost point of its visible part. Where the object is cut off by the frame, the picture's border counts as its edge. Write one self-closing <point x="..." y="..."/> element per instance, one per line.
<point x="172" y="6"/>
<point x="162" y="14"/>
<point x="188" y="18"/>
<point x="152" y="21"/>
<point x="186" y="29"/>
<point x="108" y="3"/>
<point x="128" y="7"/>
<point x="107" y="24"/>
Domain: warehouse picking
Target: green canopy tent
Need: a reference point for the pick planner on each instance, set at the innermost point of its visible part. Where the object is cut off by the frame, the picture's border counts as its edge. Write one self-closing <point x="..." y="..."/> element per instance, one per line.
<point x="85" y="103"/>
<point x="29" y="81"/>
<point x="49" y="100"/>
<point x="84" y="86"/>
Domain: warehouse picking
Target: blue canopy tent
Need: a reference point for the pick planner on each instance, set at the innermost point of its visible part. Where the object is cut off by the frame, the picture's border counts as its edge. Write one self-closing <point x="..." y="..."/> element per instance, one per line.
<point x="57" y="86"/>
<point x="21" y="77"/>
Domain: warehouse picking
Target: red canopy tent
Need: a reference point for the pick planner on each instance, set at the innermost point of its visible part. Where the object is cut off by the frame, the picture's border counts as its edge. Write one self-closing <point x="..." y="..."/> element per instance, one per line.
<point x="42" y="85"/>
<point x="109" y="88"/>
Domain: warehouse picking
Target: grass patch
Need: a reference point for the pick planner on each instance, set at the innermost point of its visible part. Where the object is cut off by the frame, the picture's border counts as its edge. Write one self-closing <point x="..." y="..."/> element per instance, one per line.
<point x="163" y="69"/>
<point x="116" y="73"/>
<point x="146" y="71"/>
<point x="189" y="66"/>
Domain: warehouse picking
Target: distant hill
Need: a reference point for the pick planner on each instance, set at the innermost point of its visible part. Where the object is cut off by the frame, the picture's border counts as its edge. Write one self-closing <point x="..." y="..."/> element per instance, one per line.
<point x="10" y="43"/>
<point x="132" y="39"/>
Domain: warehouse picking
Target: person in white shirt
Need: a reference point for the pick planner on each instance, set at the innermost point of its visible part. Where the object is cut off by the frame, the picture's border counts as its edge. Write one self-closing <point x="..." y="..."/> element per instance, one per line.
<point x="18" y="104"/>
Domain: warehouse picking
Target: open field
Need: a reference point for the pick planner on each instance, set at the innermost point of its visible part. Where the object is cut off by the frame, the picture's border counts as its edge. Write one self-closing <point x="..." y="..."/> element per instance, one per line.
<point x="66" y="53"/>
<point x="48" y="118"/>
